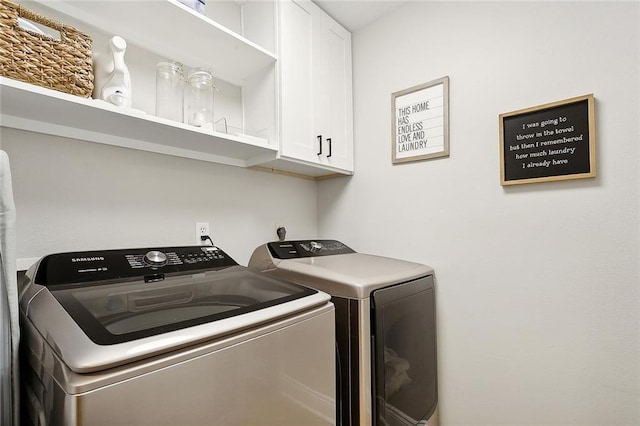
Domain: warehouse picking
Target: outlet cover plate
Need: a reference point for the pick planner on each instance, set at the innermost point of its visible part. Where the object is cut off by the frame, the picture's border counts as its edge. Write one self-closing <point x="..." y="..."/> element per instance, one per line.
<point x="202" y="229"/>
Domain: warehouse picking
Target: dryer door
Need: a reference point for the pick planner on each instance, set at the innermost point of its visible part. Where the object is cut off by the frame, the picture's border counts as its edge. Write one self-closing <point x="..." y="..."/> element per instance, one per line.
<point x="404" y="352"/>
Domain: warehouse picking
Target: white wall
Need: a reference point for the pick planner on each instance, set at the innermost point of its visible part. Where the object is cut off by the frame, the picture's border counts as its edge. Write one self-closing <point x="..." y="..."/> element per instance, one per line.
<point x="538" y="285"/>
<point x="74" y="195"/>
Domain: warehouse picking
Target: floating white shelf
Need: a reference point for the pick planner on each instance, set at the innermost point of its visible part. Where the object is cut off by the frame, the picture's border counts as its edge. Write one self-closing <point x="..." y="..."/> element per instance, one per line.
<point x="172" y="30"/>
<point x="28" y="107"/>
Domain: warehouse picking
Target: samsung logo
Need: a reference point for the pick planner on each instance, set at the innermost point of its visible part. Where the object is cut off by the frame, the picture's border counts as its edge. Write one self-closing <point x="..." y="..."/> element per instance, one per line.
<point x="86" y="259"/>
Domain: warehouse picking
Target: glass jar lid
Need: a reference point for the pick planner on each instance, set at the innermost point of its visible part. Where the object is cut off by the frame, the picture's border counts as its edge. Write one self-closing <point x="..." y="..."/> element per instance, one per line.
<point x="200" y="77"/>
<point x="169" y="68"/>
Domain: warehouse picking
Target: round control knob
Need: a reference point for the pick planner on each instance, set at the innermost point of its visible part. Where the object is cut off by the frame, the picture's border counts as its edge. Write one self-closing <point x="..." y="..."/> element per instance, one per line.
<point x="155" y="258"/>
<point x="315" y="246"/>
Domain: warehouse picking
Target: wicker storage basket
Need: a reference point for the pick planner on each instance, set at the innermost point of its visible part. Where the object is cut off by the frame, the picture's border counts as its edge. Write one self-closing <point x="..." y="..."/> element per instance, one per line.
<point x="65" y="65"/>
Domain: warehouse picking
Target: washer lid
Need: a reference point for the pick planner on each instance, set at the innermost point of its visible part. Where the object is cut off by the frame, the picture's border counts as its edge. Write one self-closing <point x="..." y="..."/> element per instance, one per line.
<point x="97" y="324"/>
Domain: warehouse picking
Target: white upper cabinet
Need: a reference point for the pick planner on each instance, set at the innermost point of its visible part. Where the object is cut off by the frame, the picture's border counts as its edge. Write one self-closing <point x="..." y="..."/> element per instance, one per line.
<point x="316" y="109"/>
<point x="335" y="90"/>
<point x="289" y="112"/>
<point x="155" y="30"/>
<point x="299" y="72"/>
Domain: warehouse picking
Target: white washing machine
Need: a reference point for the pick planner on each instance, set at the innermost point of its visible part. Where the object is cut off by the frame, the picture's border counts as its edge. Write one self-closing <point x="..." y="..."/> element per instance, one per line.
<point x="385" y="328"/>
<point x="172" y="336"/>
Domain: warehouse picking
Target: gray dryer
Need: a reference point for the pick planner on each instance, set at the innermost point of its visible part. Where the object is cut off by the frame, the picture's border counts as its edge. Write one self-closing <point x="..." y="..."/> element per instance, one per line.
<point x="385" y="327"/>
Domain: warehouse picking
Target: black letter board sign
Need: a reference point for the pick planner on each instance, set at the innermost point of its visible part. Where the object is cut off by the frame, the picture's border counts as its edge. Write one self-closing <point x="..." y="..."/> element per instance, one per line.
<point x="549" y="142"/>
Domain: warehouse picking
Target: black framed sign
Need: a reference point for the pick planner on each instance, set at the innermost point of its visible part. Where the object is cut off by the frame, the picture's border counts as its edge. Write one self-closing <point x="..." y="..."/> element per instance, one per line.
<point x="549" y="142"/>
<point x="420" y="122"/>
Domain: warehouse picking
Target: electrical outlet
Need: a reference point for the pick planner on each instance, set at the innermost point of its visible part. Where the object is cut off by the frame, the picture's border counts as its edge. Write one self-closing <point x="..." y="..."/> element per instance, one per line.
<point x="202" y="229"/>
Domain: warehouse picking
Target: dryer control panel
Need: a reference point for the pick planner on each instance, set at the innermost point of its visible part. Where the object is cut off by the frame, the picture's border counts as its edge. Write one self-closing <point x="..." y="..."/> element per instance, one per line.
<point x="307" y="248"/>
<point x="150" y="263"/>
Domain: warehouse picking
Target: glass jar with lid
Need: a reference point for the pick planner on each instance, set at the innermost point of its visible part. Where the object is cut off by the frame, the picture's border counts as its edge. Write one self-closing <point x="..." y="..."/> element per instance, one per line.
<point x="199" y="98"/>
<point x="170" y="90"/>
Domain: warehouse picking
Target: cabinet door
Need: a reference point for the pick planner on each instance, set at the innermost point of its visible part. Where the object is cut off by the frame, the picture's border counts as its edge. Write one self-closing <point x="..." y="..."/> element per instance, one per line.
<point x="336" y="95"/>
<point x="298" y="62"/>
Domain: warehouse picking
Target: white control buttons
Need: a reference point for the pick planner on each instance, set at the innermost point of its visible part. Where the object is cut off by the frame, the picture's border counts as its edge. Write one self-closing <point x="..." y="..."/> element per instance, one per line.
<point x="315" y="246"/>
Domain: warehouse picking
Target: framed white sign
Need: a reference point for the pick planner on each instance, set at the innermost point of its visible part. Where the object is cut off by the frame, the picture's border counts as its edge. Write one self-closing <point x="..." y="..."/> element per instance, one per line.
<point x="420" y="122"/>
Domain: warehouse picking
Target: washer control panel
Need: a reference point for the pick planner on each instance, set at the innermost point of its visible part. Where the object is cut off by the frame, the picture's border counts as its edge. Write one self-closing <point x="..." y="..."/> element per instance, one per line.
<point x="307" y="248"/>
<point x="83" y="267"/>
